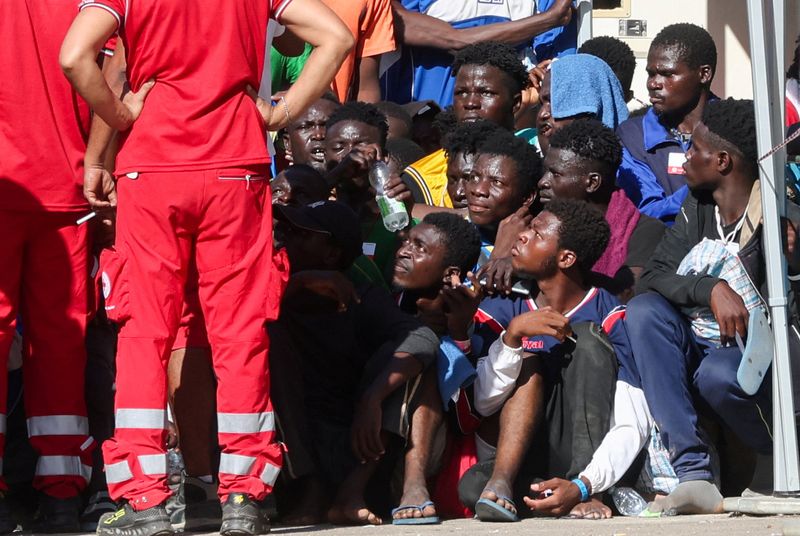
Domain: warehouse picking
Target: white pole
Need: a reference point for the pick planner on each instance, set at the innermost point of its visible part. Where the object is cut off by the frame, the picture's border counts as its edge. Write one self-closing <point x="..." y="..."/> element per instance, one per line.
<point x="584" y="14"/>
<point x="764" y="17"/>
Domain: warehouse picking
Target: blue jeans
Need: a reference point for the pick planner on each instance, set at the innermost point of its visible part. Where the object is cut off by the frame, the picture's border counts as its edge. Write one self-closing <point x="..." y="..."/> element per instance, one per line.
<point x="679" y="370"/>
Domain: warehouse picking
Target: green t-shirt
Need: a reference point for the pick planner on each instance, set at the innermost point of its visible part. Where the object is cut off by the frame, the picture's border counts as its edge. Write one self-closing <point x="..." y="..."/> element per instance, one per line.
<point x="286" y="70"/>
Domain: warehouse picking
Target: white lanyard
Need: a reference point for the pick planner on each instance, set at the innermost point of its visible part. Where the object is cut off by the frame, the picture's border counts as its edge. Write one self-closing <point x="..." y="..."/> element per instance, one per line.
<point x="728" y="238"/>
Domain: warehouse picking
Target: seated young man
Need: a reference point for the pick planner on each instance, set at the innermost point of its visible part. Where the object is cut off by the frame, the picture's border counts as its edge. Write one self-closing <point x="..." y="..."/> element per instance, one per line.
<point x="489" y="80"/>
<point x="500" y="191"/>
<point x="430" y="265"/>
<point x="346" y="365"/>
<point x="582" y="163"/>
<point x="680" y="67"/>
<point x="682" y="332"/>
<point x="563" y="332"/>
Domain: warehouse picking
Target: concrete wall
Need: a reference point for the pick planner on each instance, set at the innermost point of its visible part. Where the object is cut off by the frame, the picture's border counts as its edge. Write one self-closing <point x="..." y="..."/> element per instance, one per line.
<point x="726" y="21"/>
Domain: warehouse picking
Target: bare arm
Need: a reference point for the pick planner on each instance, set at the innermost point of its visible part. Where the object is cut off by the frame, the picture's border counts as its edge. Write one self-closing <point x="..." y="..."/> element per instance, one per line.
<point x="418" y="29"/>
<point x="90" y="30"/>
<point x="312" y="22"/>
<point x="369" y="88"/>
<point x="100" y="134"/>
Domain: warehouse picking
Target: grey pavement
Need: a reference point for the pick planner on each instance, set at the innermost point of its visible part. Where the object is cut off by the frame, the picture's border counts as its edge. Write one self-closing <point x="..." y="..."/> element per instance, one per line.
<point x="723" y="524"/>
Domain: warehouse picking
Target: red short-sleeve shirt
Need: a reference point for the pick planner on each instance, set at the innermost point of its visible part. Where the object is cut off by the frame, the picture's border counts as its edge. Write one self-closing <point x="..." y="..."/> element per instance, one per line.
<point x="202" y="54"/>
<point x="43" y="122"/>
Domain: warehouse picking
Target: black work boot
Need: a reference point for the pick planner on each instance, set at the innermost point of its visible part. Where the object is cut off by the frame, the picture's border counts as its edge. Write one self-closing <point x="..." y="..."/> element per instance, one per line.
<point x="57" y="516"/>
<point x="126" y="521"/>
<point x="242" y="516"/>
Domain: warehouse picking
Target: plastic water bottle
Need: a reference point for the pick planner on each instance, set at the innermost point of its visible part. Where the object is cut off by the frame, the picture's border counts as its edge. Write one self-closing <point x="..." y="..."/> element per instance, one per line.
<point x="628" y="502"/>
<point x="393" y="211"/>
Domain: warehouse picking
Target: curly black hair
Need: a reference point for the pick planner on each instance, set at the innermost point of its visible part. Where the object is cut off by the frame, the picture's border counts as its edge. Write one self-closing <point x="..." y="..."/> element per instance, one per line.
<point x="591" y="139"/>
<point x="466" y="137"/>
<point x="460" y="237"/>
<point x="583" y="230"/>
<point x="405" y="152"/>
<point x="617" y="54"/>
<point x="496" y="54"/>
<point x="695" y="44"/>
<point x="501" y="142"/>
<point x="733" y="123"/>
<point x="330" y="96"/>
<point x="392" y="109"/>
<point x="445" y="121"/>
<point x="793" y="68"/>
<point x="361" y="112"/>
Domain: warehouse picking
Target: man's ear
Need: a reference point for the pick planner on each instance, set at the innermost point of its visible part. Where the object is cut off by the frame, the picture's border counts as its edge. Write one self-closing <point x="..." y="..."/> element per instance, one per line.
<point x="724" y="162"/>
<point x="706" y="74"/>
<point x="593" y="182"/>
<point x="566" y="259"/>
<point x="287" y="146"/>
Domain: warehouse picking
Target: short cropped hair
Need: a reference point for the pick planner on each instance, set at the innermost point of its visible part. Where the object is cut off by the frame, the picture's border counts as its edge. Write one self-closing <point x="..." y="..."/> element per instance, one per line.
<point x="616" y="53"/>
<point x="694" y="44"/>
<point x="461" y="239"/>
<point x="361" y="112"/>
<point x="496" y="54"/>
<point x="466" y="137"/>
<point x="527" y="161"/>
<point x="591" y="139"/>
<point x="583" y="230"/>
<point x="733" y="123"/>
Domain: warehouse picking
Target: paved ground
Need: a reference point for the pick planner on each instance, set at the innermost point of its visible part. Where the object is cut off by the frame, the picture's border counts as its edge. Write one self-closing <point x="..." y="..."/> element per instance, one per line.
<point x="677" y="526"/>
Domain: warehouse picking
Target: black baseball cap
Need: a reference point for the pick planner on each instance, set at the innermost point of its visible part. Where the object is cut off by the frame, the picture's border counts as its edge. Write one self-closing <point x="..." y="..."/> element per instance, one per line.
<point x="328" y="217"/>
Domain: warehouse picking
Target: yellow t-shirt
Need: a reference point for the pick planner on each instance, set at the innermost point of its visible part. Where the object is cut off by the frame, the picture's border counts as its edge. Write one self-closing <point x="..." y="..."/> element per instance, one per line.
<point x="430" y="174"/>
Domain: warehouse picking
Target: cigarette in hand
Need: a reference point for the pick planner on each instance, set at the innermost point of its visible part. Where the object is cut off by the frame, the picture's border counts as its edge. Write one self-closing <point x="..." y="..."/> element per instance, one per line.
<point x="86" y="218"/>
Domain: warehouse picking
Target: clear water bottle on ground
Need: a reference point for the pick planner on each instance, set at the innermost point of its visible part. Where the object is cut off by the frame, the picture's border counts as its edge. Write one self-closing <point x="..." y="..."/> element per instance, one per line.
<point x="393" y="211"/>
<point x="628" y="501"/>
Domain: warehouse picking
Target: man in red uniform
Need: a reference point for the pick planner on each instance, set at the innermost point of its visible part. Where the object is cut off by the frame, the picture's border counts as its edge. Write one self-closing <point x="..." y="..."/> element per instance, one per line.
<point x="193" y="186"/>
<point x="44" y="266"/>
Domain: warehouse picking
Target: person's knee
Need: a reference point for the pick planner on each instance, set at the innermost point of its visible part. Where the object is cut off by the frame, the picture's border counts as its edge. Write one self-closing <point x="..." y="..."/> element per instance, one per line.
<point x="646" y="310"/>
<point x="715" y="380"/>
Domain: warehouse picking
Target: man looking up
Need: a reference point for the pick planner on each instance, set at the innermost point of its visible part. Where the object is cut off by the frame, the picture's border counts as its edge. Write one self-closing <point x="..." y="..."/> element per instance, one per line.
<point x="680" y="67"/>
<point x="581" y="164"/>
<point x="429" y="267"/>
<point x="686" y="365"/>
<point x="558" y="332"/>
<point x="192" y="165"/>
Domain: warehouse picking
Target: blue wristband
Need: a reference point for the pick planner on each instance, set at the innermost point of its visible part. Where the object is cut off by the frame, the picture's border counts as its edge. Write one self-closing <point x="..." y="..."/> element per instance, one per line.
<point x="581" y="486"/>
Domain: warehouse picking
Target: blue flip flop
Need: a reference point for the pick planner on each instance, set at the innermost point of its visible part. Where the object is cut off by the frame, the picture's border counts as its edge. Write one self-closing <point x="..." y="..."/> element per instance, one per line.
<point x="432" y="520"/>
<point x="488" y="510"/>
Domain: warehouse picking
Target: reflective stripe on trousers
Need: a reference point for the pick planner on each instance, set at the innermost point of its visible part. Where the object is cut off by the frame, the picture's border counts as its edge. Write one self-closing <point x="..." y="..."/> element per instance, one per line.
<point x="62" y="466"/>
<point x="150" y="464"/>
<point x="236" y="464"/>
<point x="142" y="419"/>
<point x="245" y="423"/>
<point x="58" y="425"/>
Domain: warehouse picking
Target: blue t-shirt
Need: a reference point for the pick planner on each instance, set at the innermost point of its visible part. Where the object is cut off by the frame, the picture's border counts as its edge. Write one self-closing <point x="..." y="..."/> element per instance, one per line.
<point x="598" y="306"/>
<point x="423" y="73"/>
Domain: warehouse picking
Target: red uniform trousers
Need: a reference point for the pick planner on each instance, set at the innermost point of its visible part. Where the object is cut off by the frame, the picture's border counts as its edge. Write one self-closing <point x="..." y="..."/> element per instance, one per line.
<point x="44" y="275"/>
<point x="225" y="217"/>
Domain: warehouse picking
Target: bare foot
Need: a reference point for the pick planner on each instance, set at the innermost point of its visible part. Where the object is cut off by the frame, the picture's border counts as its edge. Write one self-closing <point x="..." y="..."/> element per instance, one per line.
<point x="592" y="509"/>
<point x="415" y="496"/>
<point x="353" y="513"/>
<point x="497" y="491"/>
